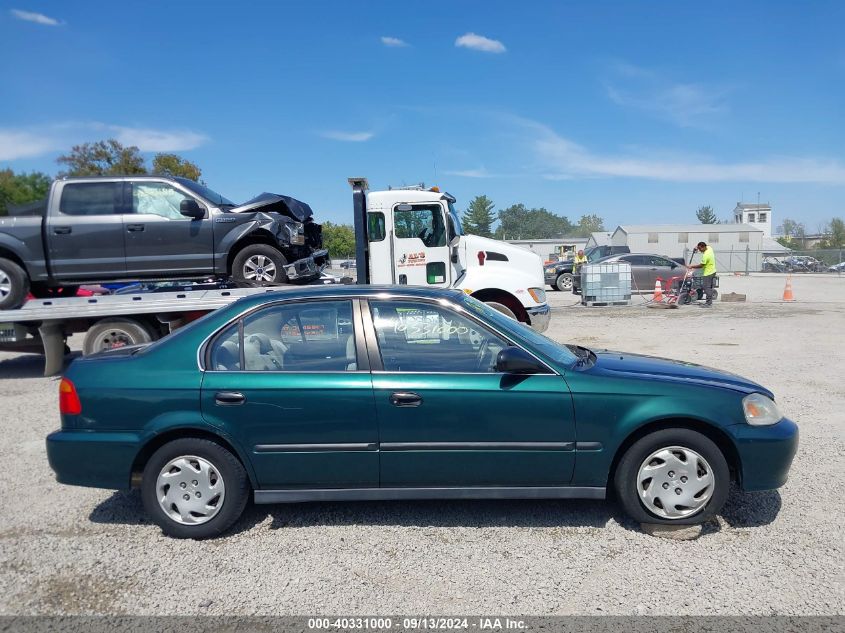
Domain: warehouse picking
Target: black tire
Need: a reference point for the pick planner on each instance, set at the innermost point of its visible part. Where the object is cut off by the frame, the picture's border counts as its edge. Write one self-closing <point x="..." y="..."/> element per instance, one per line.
<point x="256" y="252"/>
<point x="501" y="307"/>
<point x="715" y="294"/>
<point x="686" y="299"/>
<point x="236" y="487"/>
<point x="43" y="291"/>
<point x="627" y="487"/>
<point x="114" y="333"/>
<point x="14" y="285"/>
<point x="564" y="282"/>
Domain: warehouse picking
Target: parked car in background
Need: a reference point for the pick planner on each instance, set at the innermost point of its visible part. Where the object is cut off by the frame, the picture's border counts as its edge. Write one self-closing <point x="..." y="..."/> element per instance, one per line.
<point x="559" y="274"/>
<point x="837" y="268"/>
<point x="645" y="270"/>
<point x="100" y="229"/>
<point x="349" y="263"/>
<point x="396" y="392"/>
<point x="803" y="264"/>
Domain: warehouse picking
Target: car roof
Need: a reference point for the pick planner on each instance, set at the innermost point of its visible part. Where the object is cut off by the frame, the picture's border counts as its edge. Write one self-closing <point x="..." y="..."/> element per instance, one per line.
<point x="351" y="291"/>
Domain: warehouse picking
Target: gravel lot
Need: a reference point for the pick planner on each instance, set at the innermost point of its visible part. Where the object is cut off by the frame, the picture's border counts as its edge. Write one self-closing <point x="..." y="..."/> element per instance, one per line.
<point x="75" y="550"/>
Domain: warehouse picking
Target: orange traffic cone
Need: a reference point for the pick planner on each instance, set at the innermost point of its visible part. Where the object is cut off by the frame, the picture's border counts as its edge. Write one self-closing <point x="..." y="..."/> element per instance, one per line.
<point x="658" y="292"/>
<point x="787" y="291"/>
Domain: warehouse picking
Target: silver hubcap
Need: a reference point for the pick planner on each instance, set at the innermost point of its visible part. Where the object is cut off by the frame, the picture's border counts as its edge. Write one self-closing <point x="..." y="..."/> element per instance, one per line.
<point x="675" y="482"/>
<point x="5" y="285"/>
<point x="112" y="339"/>
<point x="190" y="490"/>
<point x="259" y="268"/>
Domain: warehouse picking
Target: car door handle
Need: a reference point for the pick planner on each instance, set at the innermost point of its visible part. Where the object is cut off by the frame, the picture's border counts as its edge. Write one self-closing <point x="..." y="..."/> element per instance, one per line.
<point x="134" y="228"/>
<point x="62" y="230"/>
<point x="229" y="398"/>
<point x="405" y="399"/>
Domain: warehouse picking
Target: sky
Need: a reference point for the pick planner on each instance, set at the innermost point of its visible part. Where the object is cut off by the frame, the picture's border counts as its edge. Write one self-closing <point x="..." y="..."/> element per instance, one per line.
<point x="640" y="112"/>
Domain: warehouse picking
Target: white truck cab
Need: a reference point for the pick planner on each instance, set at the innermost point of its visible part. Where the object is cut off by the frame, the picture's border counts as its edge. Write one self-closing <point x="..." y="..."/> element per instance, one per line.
<point x="413" y="236"/>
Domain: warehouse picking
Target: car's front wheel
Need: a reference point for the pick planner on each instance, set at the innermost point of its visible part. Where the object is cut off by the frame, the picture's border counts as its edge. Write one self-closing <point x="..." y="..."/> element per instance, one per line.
<point x="194" y="488"/>
<point x="676" y="476"/>
<point x="260" y="264"/>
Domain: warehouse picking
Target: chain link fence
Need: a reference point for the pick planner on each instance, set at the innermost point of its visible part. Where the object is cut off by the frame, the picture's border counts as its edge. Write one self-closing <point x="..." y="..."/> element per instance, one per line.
<point x="816" y="260"/>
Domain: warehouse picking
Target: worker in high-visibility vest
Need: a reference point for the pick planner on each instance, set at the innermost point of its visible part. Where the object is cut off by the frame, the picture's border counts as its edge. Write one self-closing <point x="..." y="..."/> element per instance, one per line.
<point x="580" y="259"/>
<point x="708" y="272"/>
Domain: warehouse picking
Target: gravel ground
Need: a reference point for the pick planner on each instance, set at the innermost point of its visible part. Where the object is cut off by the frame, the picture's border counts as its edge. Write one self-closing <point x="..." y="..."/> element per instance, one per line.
<point x="66" y="550"/>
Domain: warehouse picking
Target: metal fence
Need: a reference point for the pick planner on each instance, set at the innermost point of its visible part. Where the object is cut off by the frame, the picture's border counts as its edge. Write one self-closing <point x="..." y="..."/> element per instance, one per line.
<point x="831" y="261"/>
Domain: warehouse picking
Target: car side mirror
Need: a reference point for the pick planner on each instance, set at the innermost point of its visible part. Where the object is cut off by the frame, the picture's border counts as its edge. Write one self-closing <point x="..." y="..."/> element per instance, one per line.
<point x="515" y="360"/>
<point x="191" y="208"/>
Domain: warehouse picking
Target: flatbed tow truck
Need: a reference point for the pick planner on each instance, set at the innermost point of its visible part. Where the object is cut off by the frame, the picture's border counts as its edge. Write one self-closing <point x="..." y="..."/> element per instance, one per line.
<point x="407" y="236"/>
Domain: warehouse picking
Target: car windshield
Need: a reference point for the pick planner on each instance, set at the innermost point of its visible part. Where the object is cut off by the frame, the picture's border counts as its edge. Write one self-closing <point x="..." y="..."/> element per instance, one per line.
<point x="556" y="351"/>
<point x="201" y="190"/>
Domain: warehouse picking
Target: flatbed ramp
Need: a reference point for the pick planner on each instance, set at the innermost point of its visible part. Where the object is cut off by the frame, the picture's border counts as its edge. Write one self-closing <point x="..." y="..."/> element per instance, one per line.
<point x="52" y="317"/>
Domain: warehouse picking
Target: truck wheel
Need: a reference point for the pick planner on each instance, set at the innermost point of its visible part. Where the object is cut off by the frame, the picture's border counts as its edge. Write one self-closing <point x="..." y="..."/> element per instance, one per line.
<point x="502" y="308"/>
<point x="14" y="285"/>
<point x="260" y="264"/>
<point x="111" y="334"/>
<point x="564" y="282"/>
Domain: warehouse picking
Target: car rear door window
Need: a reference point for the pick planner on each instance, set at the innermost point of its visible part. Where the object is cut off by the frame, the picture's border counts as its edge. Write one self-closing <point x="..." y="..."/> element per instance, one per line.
<point x="91" y="198"/>
<point x="421" y="337"/>
<point x="302" y="337"/>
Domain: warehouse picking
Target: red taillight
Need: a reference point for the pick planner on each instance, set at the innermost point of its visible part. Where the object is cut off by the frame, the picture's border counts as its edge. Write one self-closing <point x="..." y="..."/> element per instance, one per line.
<point x="69" y="403"/>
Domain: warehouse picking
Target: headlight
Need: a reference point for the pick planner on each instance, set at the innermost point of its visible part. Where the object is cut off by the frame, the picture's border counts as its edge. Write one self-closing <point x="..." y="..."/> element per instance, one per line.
<point x="296" y="231"/>
<point x="760" y="410"/>
<point x="538" y="294"/>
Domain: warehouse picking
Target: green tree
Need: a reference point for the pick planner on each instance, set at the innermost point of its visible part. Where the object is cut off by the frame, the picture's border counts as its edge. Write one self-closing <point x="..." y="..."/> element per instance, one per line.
<point x="516" y="222"/>
<point x="174" y="165"/>
<point x="835" y="237"/>
<point x="706" y="215"/>
<point x="478" y="218"/>
<point x="103" y="158"/>
<point x="339" y="239"/>
<point x="588" y="224"/>
<point x="21" y="188"/>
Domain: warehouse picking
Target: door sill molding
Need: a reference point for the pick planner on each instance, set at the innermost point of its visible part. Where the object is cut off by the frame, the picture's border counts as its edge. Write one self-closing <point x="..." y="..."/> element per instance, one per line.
<point x="391" y="494"/>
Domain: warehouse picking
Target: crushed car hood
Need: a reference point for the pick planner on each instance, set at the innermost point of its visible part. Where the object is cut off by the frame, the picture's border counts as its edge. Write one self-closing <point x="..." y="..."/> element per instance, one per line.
<point x="274" y="202"/>
<point x="649" y="367"/>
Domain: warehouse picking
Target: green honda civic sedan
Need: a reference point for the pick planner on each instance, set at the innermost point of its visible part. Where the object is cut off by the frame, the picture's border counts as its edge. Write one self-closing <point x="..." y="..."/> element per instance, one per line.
<point x="360" y="392"/>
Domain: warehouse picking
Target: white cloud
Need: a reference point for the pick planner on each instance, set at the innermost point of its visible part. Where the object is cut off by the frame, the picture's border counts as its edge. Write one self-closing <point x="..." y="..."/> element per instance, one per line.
<point x="686" y="104"/>
<point x="480" y="43"/>
<point x="564" y="159"/>
<point x="481" y="172"/>
<point x="349" y="137"/>
<point x="393" y="42"/>
<point x="38" y="18"/>
<point x="17" y="144"/>
<point x="150" y="140"/>
<point x="35" y="141"/>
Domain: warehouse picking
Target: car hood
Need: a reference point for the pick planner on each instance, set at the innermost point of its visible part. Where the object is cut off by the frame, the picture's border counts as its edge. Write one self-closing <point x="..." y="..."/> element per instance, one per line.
<point x="649" y="367"/>
<point x="274" y="202"/>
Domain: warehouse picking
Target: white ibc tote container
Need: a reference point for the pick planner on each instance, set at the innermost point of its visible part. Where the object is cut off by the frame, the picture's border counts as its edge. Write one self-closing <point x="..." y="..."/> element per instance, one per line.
<point x="606" y="284"/>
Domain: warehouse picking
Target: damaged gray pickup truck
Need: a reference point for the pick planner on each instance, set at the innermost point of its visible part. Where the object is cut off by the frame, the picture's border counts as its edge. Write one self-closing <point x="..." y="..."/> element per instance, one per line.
<point x="106" y="229"/>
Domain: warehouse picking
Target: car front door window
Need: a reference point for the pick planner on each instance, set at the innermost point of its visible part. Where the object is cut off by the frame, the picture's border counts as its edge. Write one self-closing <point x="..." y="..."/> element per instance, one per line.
<point x="157" y="198"/>
<point x="421" y="337"/>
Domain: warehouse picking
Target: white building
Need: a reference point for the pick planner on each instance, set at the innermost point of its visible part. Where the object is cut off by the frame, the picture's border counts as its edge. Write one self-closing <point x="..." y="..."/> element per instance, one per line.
<point x="757" y="214"/>
<point x="738" y="247"/>
<point x="548" y="249"/>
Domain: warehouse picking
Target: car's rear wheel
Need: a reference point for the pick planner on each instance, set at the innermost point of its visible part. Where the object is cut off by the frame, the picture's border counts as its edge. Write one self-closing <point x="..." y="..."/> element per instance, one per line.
<point x="673" y="476"/>
<point x="14" y="285"/>
<point x="564" y="282"/>
<point x="194" y="488"/>
<point x="260" y="264"/>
